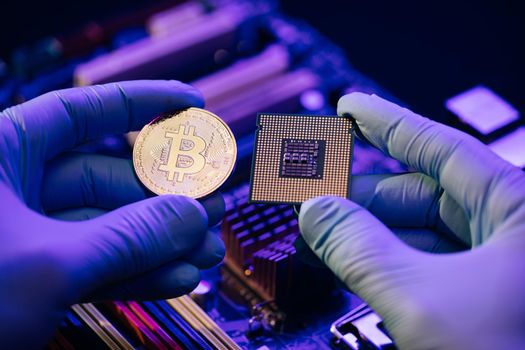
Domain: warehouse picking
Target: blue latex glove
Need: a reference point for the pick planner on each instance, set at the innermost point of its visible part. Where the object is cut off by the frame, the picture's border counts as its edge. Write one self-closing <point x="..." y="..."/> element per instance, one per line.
<point x="466" y="300"/>
<point x="139" y="248"/>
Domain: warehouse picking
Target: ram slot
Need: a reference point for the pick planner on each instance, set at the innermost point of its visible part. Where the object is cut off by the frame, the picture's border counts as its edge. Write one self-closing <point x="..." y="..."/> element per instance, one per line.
<point x="243" y="75"/>
<point x="176" y="18"/>
<point x="172" y="327"/>
<point x="123" y="314"/>
<point x="153" y="325"/>
<point x="199" y="320"/>
<point x="184" y="326"/>
<point x="102" y="327"/>
<point x="73" y="333"/>
<point x="281" y="94"/>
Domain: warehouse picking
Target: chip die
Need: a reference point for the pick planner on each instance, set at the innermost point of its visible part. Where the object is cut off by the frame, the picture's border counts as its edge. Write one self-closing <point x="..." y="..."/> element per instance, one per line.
<point x="299" y="157"/>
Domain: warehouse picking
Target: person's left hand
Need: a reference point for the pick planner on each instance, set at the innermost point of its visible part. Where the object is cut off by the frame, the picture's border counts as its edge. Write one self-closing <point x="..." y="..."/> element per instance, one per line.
<point x="150" y="249"/>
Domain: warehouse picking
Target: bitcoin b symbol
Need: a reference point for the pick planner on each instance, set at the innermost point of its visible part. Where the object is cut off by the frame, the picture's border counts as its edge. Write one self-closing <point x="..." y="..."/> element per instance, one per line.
<point x="184" y="155"/>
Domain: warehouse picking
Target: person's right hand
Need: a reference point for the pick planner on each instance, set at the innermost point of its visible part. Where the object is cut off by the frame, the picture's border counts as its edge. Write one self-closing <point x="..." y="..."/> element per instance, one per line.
<point x="466" y="300"/>
<point x="134" y="246"/>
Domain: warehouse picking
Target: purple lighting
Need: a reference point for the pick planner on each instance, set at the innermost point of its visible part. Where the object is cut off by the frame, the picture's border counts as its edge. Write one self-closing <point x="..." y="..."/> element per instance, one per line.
<point x="511" y="147"/>
<point x="312" y="100"/>
<point x="482" y="109"/>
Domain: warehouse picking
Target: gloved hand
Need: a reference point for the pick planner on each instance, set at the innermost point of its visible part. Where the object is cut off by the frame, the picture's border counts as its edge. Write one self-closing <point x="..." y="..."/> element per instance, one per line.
<point x="139" y="248"/>
<point x="465" y="300"/>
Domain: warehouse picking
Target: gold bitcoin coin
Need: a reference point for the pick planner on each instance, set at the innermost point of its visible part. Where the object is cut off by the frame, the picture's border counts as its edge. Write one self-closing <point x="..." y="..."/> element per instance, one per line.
<point x="190" y="153"/>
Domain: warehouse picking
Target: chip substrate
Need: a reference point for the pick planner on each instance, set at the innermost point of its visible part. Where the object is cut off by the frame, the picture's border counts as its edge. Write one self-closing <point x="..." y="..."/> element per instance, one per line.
<point x="299" y="157"/>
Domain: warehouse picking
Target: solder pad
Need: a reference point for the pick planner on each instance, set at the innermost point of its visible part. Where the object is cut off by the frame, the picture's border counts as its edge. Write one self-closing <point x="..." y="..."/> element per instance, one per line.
<point x="299" y="157"/>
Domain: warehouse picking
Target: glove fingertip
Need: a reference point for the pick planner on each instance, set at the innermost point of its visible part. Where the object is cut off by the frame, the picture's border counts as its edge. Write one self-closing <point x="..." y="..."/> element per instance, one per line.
<point x="348" y="102"/>
<point x="217" y="252"/>
<point x="313" y="214"/>
<point x="198" y="98"/>
<point x="195" y="96"/>
<point x="215" y="207"/>
<point x="186" y="209"/>
<point x="189" y="278"/>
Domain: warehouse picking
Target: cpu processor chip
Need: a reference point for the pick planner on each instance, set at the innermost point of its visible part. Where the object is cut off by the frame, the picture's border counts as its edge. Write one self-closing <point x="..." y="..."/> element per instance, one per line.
<point x="299" y="157"/>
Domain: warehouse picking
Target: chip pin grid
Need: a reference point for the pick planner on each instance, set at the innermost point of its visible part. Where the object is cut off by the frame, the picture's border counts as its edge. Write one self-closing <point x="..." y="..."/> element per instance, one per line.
<point x="299" y="157"/>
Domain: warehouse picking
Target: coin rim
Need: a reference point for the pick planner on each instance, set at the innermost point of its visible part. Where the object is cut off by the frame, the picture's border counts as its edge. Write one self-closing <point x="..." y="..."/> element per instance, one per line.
<point x="141" y="136"/>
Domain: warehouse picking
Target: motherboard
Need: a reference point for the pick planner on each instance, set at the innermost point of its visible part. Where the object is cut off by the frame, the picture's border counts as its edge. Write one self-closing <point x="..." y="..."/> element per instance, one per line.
<point x="246" y="57"/>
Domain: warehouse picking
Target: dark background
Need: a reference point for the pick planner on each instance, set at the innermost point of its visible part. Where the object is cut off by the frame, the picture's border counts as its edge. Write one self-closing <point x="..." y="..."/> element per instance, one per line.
<point x="427" y="51"/>
<point x="422" y="51"/>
